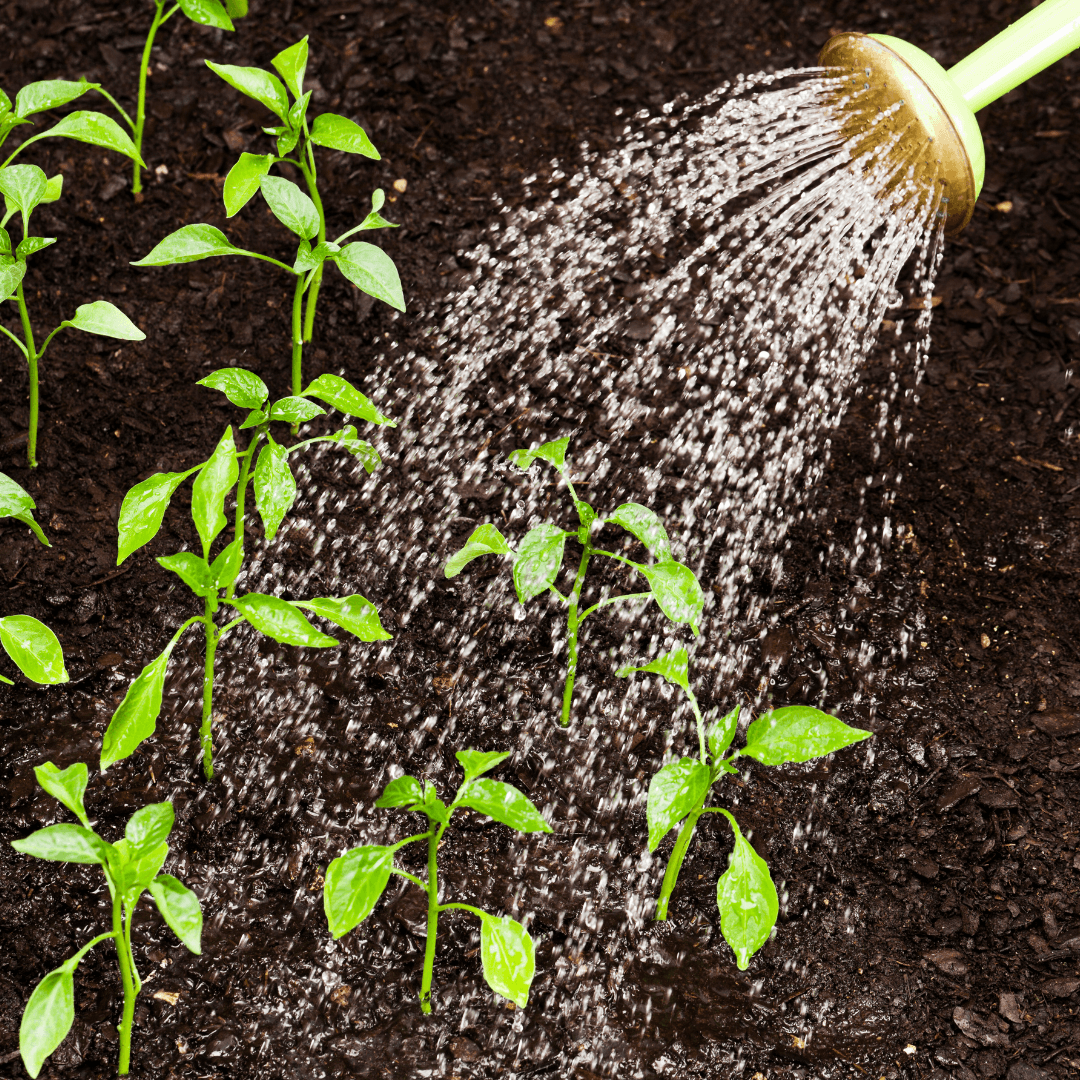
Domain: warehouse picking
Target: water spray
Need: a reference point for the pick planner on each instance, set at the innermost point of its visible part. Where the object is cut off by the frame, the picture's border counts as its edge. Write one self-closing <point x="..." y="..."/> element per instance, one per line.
<point x="904" y="93"/>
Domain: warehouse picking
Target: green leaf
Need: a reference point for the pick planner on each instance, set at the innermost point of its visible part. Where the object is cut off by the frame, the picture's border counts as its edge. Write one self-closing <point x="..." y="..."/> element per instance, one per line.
<point x="180" y="909"/>
<point x="47" y="1018"/>
<point x="307" y="258"/>
<point x="226" y="566"/>
<point x="279" y="620"/>
<point x="537" y="562"/>
<point x="354" y="883"/>
<point x="674" y="666"/>
<point x="103" y="318"/>
<point x="290" y="206"/>
<point x="341" y="133"/>
<point x="64" y="843"/>
<point x="291" y="63"/>
<point x="5" y="246"/>
<point x="746" y="897"/>
<point x="485" y="540"/>
<point x="295" y="410"/>
<point x="23" y="186"/>
<point x="135" y="720"/>
<point x="720" y="733"/>
<point x="206" y="13"/>
<point x="586" y="515"/>
<point x="361" y="448"/>
<point x="287" y="138"/>
<point x="54" y="188"/>
<point x="676" y="590"/>
<point x="553" y="452"/>
<point x="214" y="482"/>
<point x="798" y="733"/>
<point x="37" y="97"/>
<point x="66" y="786"/>
<point x="343" y="396"/>
<point x="432" y="805"/>
<point x="34" y="649"/>
<point x="674" y="791"/>
<point x="298" y="112"/>
<point x="138" y="867"/>
<point x="237" y="8"/>
<point x="403" y="791"/>
<point x="508" y="957"/>
<point x="372" y="271"/>
<point x="189" y="244"/>
<point x="143" y="508"/>
<point x="98" y="130"/>
<point x="150" y="825"/>
<point x="241" y="387"/>
<point x="243" y="180"/>
<point x="353" y="613"/>
<point x="477" y="762"/>
<point x="253" y="419"/>
<point x="11" y="275"/>
<point x="192" y="570"/>
<point x="31" y="245"/>
<point x="15" y="501"/>
<point x="256" y="83"/>
<point x="275" y="487"/>
<point x="503" y="802"/>
<point x="646" y="526"/>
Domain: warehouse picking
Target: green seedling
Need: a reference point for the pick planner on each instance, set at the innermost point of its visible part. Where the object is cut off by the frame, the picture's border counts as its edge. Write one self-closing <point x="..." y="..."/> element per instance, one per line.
<point x="131" y="866"/>
<point x="88" y="127"/>
<point x="368" y="267"/>
<point x="229" y="468"/>
<point x="356" y="880"/>
<point x="25" y="187"/>
<point x="745" y="893"/>
<point x="539" y="558"/>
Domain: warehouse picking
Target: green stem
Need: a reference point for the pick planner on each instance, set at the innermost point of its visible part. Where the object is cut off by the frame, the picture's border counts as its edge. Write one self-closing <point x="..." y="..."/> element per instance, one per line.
<point x="297" y="340"/>
<point x="206" y="732"/>
<point x="241" y="490"/>
<point x="313" y="189"/>
<point x="32" y="364"/>
<point x="614" y="600"/>
<point x="140" y="114"/>
<point x="700" y="725"/>
<point x="127" y="979"/>
<point x="432" y="917"/>
<point x="678" y="853"/>
<point x="463" y="907"/>
<point x="572" y="624"/>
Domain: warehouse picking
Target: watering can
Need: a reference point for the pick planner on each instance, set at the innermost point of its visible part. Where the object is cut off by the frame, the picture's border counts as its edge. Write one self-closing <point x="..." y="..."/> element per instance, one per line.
<point x="931" y="111"/>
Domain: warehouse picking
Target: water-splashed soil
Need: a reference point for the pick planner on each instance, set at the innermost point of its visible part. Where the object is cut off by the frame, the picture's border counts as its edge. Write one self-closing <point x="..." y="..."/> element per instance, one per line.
<point x="929" y="890"/>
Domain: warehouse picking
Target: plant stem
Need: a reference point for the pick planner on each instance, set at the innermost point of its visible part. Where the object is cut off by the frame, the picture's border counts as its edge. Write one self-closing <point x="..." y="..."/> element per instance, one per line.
<point x="206" y="732"/>
<point x="432" y="917"/>
<point x="572" y="624"/>
<point x="127" y="979"/>
<point x="140" y="114"/>
<point x="32" y="363"/>
<point x="678" y="853"/>
<point x="297" y="340"/>
<point x="241" y="491"/>
<point x="313" y="189"/>
<point x="700" y="725"/>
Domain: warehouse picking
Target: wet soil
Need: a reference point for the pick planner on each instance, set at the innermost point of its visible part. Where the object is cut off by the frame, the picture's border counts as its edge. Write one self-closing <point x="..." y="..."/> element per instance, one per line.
<point x="930" y="923"/>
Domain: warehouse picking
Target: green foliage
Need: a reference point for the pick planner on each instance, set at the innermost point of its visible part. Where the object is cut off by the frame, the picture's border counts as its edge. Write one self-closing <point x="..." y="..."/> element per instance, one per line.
<point x="539" y="557"/>
<point x="745" y="894"/>
<point x="131" y="867"/>
<point x="34" y="649"/>
<point x="357" y="879"/>
<point x="228" y="472"/>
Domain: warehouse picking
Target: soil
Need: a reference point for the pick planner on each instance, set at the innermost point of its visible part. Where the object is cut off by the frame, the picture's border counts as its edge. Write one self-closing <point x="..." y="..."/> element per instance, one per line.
<point x="931" y="919"/>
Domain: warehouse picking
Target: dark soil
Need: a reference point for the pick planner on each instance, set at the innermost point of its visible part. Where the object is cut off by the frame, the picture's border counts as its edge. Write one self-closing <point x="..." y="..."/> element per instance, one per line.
<point x="931" y="925"/>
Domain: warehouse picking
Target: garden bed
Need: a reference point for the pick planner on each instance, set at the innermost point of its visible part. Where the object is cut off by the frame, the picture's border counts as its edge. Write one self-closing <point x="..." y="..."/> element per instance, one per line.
<point x="931" y="885"/>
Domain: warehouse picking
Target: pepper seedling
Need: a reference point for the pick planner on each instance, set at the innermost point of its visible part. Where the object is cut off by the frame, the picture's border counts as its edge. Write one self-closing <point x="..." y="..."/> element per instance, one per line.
<point x="368" y="267"/>
<point x="83" y="126"/>
<point x="143" y="510"/>
<point x="745" y="893"/>
<point x="539" y="557"/>
<point x="131" y="867"/>
<point x="25" y="187"/>
<point x="356" y="880"/>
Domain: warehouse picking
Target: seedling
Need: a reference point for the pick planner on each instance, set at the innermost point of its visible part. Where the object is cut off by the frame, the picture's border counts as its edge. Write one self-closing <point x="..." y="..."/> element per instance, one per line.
<point x="356" y="880"/>
<point x="25" y="187"/>
<point x="227" y="468"/>
<point x="131" y="867"/>
<point x="539" y="558"/>
<point x="88" y="127"/>
<point x="745" y="893"/>
<point x="369" y="268"/>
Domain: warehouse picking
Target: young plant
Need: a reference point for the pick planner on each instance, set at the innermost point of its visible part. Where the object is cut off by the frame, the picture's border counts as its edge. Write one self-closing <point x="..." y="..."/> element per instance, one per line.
<point x="356" y="880"/>
<point x="25" y="187"/>
<point x="369" y="268"/>
<point x="131" y="867"/>
<point x="539" y="558"/>
<point x="745" y="893"/>
<point x="214" y="581"/>
<point x="88" y="127"/>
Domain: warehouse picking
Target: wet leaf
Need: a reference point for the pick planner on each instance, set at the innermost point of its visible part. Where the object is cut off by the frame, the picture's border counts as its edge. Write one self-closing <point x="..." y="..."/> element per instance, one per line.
<point x="403" y="791"/>
<point x="279" y="620"/>
<point x="646" y="526"/>
<point x="552" y="452"/>
<point x="31" y="245"/>
<point x="508" y="957"/>
<point x="485" y="540"/>
<point x="677" y="789"/>
<point x="256" y="83"/>
<point x="291" y="206"/>
<point x="34" y="649"/>
<point x="291" y="63"/>
<point x="242" y="388"/>
<point x="189" y="244"/>
<point x="359" y="448"/>
<point x="798" y="733"/>
<point x="225" y="568"/>
<point x="341" y="133"/>
<point x="746" y="897"/>
<point x="295" y="410"/>
<point x="67" y="786"/>
<point x="354" y="883"/>
<point x="105" y="319"/>
<point x="143" y="508"/>
<point x="504" y="803"/>
<point x="150" y="825"/>
<point x="720" y="733"/>
<point x="372" y="271"/>
<point x="676" y="590"/>
<point x="180" y="909"/>
<point x="343" y="396"/>
<point x="206" y="13"/>
<point x="275" y="487"/>
<point x="192" y="570"/>
<point x="538" y="559"/>
<point x="477" y="762"/>
<point x="98" y="130"/>
<point x="673" y="666"/>
<point x="139" y="869"/>
<point x="47" y="1018"/>
<point x="38" y="97"/>
<point x="243" y="181"/>
<point x="23" y="186"/>
<point x="214" y="482"/>
<point x="136" y="718"/>
<point x="353" y="613"/>
<point x="64" y="843"/>
<point x="11" y="276"/>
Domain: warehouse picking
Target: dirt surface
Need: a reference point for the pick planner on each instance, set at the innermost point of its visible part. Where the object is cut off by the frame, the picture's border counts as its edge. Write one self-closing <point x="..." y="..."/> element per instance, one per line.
<point x="930" y="923"/>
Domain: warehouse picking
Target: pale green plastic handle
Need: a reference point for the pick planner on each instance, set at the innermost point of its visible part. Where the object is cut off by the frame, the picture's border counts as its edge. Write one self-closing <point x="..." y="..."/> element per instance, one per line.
<point x="1042" y="37"/>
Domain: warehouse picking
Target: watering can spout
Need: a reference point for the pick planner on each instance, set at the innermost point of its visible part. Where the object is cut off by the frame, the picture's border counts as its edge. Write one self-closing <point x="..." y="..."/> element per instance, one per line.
<point x="931" y="111"/>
